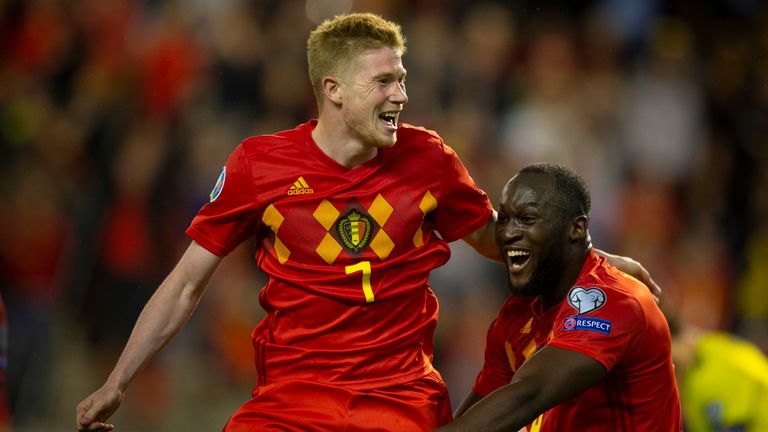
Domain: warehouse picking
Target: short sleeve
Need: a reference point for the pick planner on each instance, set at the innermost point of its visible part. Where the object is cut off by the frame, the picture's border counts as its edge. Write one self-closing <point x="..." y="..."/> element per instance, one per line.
<point x="233" y="212"/>
<point x="606" y="333"/>
<point x="496" y="371"/>
<point x="462" y="207"/>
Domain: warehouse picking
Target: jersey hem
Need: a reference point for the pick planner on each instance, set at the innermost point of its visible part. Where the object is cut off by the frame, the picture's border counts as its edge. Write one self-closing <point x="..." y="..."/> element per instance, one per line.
<point x="212" y="247"/>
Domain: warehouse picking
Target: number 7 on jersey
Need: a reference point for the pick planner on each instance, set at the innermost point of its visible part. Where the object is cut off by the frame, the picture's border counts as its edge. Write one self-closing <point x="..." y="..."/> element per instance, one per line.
<point x="365" y="267"/>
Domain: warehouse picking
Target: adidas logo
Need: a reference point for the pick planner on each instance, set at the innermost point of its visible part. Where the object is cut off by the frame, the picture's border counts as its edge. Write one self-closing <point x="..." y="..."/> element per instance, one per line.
<point x="300" y="187"/>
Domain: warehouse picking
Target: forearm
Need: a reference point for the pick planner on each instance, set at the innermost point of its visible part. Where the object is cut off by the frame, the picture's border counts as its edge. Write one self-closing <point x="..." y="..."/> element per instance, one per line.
<point x="162" y="317"/>
<point x="484" y="240"/>
<point x="505" y="409"/>
<point x="165" y="313"/>
<point x="471" y="399"/>
<point x="549" y="377"/>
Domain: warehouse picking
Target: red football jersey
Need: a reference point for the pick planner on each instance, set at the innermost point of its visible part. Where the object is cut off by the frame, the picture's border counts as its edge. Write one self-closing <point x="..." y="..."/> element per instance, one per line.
<point x="610" y="317"/>
<point x="348" y="252"/>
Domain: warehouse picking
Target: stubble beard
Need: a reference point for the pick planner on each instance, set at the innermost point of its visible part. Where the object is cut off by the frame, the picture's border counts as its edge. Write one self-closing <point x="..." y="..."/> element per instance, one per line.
<point x="369" y="134"/>
<point x="544" y="276"/>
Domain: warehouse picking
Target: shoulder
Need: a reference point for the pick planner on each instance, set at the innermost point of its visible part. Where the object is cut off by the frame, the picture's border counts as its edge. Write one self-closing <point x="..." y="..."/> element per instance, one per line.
<point x="424" y="145"/>
<point x="614" y="282"/>
<point x="606" y="290"/>
<point x="617" y="298"/>
<point x="409" y="131"/>
<point x="260" y="145"/>
<point x="417" y="136"/>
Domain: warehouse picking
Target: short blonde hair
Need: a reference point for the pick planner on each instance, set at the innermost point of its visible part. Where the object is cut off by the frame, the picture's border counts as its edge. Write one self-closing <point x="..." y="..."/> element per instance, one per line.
<point x="337" y="41"/>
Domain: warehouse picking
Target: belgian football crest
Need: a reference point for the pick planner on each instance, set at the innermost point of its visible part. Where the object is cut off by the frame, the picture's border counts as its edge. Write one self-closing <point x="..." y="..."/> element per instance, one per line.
<point x="354" y="230"/>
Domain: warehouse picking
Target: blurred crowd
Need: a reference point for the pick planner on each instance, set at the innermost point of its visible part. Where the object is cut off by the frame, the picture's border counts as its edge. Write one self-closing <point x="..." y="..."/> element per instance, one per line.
<point x="116" y="117"/>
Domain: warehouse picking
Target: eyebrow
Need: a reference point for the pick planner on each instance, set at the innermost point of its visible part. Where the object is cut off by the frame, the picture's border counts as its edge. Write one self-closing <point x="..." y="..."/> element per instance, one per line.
<point x="390" y="74"/>
<point x="534" y="204"/>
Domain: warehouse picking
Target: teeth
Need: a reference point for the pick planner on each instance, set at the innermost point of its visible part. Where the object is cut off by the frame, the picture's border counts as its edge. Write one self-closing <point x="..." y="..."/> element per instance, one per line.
<point x="517" y="253"/>
<point x="390" y="117"/>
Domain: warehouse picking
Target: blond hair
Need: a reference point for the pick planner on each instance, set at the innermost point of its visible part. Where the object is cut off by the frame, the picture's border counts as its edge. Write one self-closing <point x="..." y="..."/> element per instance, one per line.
<point x="337" y="41"/>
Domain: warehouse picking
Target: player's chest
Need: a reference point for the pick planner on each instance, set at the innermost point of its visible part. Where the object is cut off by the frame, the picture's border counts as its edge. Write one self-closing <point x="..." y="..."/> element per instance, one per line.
<point x="524" y="338"/>
<point x="327" y="214"/>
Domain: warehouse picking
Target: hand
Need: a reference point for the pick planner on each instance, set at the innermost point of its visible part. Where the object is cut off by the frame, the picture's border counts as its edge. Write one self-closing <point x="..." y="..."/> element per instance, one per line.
<point x="633" y="268"/>
<point x="94" y="410"/>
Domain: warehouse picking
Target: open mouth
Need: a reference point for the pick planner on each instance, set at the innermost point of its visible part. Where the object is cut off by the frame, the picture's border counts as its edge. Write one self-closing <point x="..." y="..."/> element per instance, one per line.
<point x="517" y="259"/>
<point x="389" y="119"/>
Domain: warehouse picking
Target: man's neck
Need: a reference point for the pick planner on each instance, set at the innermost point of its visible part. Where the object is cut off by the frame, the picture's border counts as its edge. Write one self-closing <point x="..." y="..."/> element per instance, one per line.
<point x="338" y="145"/>
<point x="574" y="259"/>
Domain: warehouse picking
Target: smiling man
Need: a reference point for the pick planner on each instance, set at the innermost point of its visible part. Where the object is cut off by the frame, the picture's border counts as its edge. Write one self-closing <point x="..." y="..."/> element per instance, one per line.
<point x="579" y="345"/>
<point x="350" y="213"/>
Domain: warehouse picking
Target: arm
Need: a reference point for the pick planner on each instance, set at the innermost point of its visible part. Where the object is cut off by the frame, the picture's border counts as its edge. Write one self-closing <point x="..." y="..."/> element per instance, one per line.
<point x="551" y="376"/>
<point x="634" y="269"/>
<point x="469" y="401"/>
<point x="484" y="239"/>
<point x="166" y="312"/>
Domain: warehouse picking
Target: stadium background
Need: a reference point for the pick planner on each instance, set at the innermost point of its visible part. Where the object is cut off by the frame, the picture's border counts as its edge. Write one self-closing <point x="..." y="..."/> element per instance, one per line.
<point x="116" y="116"/>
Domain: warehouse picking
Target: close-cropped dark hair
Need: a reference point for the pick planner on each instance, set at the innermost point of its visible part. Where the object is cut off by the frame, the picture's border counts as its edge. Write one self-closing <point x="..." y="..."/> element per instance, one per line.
<point x="571" y="191"/>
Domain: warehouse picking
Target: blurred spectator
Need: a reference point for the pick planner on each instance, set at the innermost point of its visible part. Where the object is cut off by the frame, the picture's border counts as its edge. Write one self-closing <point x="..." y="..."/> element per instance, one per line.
<point x="551" y="122"/>
<point x="545" y="125"/>
<point x="31" y="248"/>
<point x="169" y="68"/>
<point x="702" y="272"/>
<point x="5" y="412"/>
<point x="662" y="113"/>
<point x="751" y="301"/>
<point x="127" y="268"/>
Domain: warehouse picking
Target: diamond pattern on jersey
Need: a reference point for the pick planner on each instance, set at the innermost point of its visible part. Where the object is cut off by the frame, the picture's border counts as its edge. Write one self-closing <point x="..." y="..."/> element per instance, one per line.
<point x="427" y="204"/>
<point x="530" y="349"/>
<point x="530" y="345"/>
<point x="328" y="243"/>
<point x="326" y="214"/>
<point x="380" y="210"/>
<point x="273" y="219"/>
<point x="328" y="249"/>
<point x="510" y="356"/>
<point x="527" y="327"/>
<point x="382" y="245"/>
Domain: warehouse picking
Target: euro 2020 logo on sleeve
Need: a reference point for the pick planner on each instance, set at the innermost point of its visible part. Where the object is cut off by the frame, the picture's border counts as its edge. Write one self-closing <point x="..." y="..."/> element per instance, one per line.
<point x="586" y="300"/>
<point x="219" y="184"/>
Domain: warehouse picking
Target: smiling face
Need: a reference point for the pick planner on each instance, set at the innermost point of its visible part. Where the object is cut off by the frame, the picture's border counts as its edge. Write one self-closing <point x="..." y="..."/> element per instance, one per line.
<point x="532" y="233"/>
<point x="373" y="92"/>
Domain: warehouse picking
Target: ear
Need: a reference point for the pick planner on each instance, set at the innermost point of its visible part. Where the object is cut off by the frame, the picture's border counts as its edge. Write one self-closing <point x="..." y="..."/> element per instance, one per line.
<point x="579" y="228"/>
<point x="332" y="89"/>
